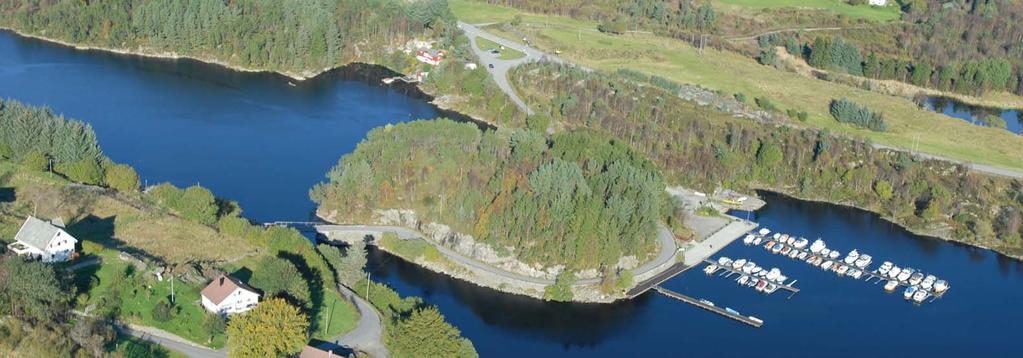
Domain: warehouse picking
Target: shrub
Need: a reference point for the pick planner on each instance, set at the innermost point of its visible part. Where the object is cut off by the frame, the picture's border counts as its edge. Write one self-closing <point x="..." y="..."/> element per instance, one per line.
<point x="561" y="290"/>
<point x="994" y="121"/>
<point x="85" y="171"/>
<point x="163" y="312"/>
<point x="766" y="104"/>
<point x="768" y="57"/>
<point x="6" y="152"/>
<point x="739" y="96"/>
<point x="846" y="111"/>
<point x="803" y="116"/>
<point x="36" y="161"/>
<point x="122" y="177"/>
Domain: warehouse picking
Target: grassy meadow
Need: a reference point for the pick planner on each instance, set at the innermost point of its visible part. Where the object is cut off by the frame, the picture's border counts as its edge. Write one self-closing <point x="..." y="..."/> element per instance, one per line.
<point x="730" y="73"/>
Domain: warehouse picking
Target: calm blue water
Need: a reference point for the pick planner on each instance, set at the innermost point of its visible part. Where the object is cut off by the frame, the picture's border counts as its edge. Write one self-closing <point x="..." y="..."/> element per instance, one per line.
<point x="250" y="137"/>
<point x="950" y="107"/>
<point x="254" y="138"/>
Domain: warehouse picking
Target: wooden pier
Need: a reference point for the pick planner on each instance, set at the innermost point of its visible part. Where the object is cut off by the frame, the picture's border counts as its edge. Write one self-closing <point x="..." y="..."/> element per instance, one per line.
<point x="752" y="321"/>
<point x="729" y="272"/>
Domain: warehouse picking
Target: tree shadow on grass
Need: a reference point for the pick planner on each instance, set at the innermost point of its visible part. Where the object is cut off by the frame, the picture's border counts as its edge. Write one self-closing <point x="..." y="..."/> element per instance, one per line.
<point x="101" y="230"/>
<point x="314" y="279"/>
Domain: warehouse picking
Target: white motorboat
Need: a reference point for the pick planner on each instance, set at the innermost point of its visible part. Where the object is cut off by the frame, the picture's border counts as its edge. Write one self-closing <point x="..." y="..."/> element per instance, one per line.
<point x="905" y="274"/>
<point x="757" y="269"/>
<point x="776" y="236"/>
<point x="710" y="269"/>
<point x="743" y="280"/>
<point x="793" y="254"/>
<point x="834" y="255"/>
<point x="908" y="293"/>
<point x="940" y="286"/>
<point x="916" y="278"/>
<point x="764" y="231"/>
<point x="777" y="248"/>
<point x="748" y="240"/>
<point x="801" y="243"/>
<point x="737" y="264"/>
<point x="748" y="267"/>
<point x="786" y="250"/>
<point x="724" y="261"/>
<point x="825" y="252"/>
<point x="817" y="246"/>
<point x="928" y="282"/>
<point x="827" y="265"/>
<point x="863" y="261"/>
<point x="920" y="296"/>
<point x="773" y="273"/>
<point x="855" y="273"/>
<point x="894" y="272"/>
<point x="802" y="255"/>
<point x="758" y="240"/>
<point x="769" y="245"/>
<point x="842" y="269"/>
<point x="781" y="279"/>
<point x="885" y="267"/>
<point x="851" y="258"/>
<point x="784" y="239"/>
<point x="891" y="285"/>
<point x="753" y="282"/>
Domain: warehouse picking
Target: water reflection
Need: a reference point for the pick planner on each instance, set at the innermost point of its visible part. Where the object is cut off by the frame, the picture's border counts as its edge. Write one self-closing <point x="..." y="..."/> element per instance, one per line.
<point x="984" y="116"/>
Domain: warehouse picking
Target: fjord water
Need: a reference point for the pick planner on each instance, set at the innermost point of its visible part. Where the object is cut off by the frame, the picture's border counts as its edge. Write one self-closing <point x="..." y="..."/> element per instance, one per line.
<point x="251" y="137"/>
<point x="257" y="139"/>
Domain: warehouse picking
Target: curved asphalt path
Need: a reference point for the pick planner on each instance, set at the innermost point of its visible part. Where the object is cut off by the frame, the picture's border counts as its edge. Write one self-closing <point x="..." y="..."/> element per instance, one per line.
<point x="368" y="333"/>
<point x="666" y="241"/>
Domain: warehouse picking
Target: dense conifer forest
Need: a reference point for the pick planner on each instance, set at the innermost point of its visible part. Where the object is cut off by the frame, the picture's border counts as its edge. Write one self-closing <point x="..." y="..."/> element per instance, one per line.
<point x="292" y="35"/>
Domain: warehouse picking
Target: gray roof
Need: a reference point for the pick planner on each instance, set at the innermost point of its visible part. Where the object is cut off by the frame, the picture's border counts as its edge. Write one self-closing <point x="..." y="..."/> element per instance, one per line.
<point x="36" y="233"/>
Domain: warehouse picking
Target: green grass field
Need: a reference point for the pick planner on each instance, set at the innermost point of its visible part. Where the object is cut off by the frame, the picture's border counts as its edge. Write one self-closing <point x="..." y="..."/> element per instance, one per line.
<point x="730" y="73"/>
<point x="505" y="54"/>
<point x="873" y="13"/>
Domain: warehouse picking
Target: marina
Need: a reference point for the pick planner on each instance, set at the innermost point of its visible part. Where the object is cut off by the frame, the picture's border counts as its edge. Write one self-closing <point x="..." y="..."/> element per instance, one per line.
<point x="710" y="306"/>
<point x="724" y="268"/>
<point x="917" y="286"/>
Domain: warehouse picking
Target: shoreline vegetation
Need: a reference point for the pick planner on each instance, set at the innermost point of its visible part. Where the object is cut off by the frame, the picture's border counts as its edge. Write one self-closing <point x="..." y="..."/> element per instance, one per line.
<point x="919" y="207"/>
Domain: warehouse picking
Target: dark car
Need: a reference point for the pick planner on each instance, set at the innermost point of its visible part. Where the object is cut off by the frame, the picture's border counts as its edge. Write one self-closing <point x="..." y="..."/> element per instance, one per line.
<point x="491" y="65"/>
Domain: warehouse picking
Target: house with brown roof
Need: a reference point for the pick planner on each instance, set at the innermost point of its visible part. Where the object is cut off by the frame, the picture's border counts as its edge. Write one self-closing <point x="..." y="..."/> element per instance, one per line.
<point x="314" y="352"/>
<point x="227" y="295"/>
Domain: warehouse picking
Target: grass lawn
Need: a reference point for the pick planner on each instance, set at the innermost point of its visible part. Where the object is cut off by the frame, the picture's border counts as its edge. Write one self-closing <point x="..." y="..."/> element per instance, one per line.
<point x="139" y="295"/>
<point x="731" y="73"/>
<point x="873" y="13"/>
<point x="505" y="54"/>
<point x="131" y="347"/>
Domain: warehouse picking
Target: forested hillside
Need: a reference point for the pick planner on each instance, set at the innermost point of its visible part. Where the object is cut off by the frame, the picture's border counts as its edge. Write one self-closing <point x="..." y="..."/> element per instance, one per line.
<point x="296" y="36"/>
<point x="697" y="147"/>
<point x="576" y="198"/>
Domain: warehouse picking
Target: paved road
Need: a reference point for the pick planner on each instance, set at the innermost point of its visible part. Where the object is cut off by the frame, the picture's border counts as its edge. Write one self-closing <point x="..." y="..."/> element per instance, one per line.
<point x="666" y="242"/>
<point x="170" y="341"/>
<point x="368" y="333"/>
<point x="974" y="166"/>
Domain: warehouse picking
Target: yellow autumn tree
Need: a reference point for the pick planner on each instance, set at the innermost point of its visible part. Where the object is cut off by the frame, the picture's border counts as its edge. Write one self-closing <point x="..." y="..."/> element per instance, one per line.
<point x="272" y="329"/>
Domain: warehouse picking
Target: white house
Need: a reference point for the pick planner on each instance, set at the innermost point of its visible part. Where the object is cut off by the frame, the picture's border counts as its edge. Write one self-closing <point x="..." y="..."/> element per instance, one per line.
<point x="878" y="2"/>
<point x="46" y="241"/>
<point x="227" y="295"/>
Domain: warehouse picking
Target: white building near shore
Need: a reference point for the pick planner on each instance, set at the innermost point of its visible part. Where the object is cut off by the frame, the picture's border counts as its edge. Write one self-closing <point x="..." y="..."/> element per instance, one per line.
<point x="227" y="295"/>
<point x="43" y="240"/>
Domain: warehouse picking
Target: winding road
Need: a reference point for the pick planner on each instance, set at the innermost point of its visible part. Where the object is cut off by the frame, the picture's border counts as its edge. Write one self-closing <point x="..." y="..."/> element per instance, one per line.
<point x="498" y="67"/>
<point x="666" y="243"/>
<point x="368" y="333"/>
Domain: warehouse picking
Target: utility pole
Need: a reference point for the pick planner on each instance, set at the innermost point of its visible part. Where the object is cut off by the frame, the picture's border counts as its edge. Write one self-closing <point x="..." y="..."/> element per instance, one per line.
<point x="367" y="285"/>
<point x="172" y="289"/>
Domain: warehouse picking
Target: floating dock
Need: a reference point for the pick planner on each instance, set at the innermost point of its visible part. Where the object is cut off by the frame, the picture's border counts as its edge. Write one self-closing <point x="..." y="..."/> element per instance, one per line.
<point x="868" y="273"/>
<point x="730" y="272"/>
<point x="752" y="321"/>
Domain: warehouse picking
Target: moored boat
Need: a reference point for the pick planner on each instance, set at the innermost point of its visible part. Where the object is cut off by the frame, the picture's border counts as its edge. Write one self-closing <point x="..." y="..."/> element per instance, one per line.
<point x="801" y="243"/>
<point x="908" y="293"/>
<point x="855" y="273"/>
<point x="825" y="252"/>
<point x="769" y="245"/>
<point x="817" y="246"/>
<point x="737" y="264"/>
<point x="885" y="267"/>
<point x="758" y="240"/>
<point x="834" y="255"/>
<point x="940" y="286"/>
<point x="863" y="261"/>
<point x="802" y="255"/>
<point x="905" y="274"/>
<point x="891" y="285"/>
<point x="916" y="278"/>
<point x="748" y="240"/>
<point x="710" y="269"/>
<point x="851" y="257"/>
<point x="742" y="280"/>
<point x="894" y="272"/>
<point x="724" y="261"/>
<point x="748" y="267"/>
<point x="785" y="250"/>
<point x="773" y="274"/>
<point x="777" y="248"/>
<point x="827" y="265"/>
<point x="920" y="296"/>
<point x="761" y="285"/>
<point x="842" y="269"/>
<point x="928" y="282"/>
<point x="793" y="254"/>
<point x="757" y="269"/>
<point x="764" y="231"/>
<point x="770" y="288"/>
